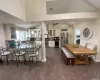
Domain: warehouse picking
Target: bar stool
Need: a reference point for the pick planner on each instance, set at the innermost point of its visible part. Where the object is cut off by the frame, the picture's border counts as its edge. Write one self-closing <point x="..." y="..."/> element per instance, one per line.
<point x="5" y="53"/>
<point x="33" y="53"/>
<point x="19" y="53"/>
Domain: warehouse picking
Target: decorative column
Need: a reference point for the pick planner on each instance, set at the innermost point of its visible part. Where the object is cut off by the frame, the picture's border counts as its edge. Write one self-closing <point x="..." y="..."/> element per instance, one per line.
<point x="43" y="42"/>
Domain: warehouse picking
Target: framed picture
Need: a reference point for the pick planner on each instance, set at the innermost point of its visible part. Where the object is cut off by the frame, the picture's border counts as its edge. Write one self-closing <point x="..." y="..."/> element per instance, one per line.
<point x="87" y="32"/>
<point x="13" y="32"/>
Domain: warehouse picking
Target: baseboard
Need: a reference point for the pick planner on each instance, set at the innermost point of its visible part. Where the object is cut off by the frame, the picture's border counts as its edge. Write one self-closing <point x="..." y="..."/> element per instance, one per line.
<point x="97" y="60"/>
<point x="44" y="60"/>
<point x="94" y="59"/>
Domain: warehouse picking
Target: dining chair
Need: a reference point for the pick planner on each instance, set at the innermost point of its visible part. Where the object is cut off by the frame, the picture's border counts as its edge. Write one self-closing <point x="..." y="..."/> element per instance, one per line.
<point x="5" y="53"/>
<point x="18" y="54"/>
<point x="92" y="47"/>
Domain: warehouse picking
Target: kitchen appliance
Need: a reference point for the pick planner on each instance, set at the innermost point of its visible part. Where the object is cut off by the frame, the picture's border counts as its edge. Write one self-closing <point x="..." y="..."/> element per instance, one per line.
<point x="56" y="39"/>
<point x="64" y="38"/>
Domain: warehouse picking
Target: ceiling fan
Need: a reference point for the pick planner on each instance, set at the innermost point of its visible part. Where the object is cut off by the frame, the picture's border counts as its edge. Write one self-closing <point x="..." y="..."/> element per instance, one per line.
<point x="55" y="24"/>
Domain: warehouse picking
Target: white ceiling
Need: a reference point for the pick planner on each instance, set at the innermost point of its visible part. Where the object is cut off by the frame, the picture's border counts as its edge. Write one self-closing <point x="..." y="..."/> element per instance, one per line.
<point x="7" y="18"/>
<point x="95" y="3"/>
<point x="70" y="6"/>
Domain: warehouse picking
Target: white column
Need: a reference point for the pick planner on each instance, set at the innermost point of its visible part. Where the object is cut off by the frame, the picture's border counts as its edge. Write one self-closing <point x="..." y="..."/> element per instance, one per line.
<point x="43" y="42"/>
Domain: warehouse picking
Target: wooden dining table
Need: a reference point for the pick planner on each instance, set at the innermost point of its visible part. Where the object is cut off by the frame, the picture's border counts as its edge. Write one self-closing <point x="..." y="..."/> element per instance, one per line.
<point x="81" y="53"/>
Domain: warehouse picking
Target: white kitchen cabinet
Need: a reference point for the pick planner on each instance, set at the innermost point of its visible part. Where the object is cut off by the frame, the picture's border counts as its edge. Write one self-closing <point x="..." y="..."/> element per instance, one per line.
<point x="52" y="32"/>
<point x="58" y="33"/>
<point x="51" y="43"/>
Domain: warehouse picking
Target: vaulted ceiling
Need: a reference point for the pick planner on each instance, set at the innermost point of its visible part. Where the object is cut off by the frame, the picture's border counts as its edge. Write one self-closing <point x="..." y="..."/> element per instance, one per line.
<point x="7" y="18"/>
<point x="95" y="3"/>
<point x="70" y="6"/>
<point x="35" y="10"/>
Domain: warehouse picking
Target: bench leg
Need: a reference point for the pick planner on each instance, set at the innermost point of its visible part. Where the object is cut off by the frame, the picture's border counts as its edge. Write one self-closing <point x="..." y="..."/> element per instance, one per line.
<point x="73" y="62"/>
<point x="67" y="61"/>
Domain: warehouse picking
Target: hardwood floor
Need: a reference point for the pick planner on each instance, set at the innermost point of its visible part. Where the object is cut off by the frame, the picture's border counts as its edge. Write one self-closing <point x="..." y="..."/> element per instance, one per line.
<point x="53" y="69"/>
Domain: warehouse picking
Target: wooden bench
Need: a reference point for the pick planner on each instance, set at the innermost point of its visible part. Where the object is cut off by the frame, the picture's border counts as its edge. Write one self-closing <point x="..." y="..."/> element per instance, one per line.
<point x="68" y="57"/>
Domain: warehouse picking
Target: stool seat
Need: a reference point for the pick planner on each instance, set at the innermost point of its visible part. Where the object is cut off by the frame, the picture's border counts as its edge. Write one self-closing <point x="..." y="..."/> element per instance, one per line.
<point x="32" y="55"/>
<point x="5" y="53"/>
<point x="19" y="54"/>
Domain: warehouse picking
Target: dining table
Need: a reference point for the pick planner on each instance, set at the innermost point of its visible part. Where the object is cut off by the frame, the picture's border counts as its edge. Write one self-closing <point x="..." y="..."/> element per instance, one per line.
<point x="82" y="54"/>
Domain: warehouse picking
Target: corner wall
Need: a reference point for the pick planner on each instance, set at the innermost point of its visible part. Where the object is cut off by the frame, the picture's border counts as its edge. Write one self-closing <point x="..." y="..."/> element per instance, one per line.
<point x="7" y="31"/>
<point x="95" y="39"/>
<point x="2" y="38"/>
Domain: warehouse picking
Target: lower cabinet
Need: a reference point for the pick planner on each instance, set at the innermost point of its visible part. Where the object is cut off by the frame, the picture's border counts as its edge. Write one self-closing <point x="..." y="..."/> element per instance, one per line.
<point x="51" y="43"/>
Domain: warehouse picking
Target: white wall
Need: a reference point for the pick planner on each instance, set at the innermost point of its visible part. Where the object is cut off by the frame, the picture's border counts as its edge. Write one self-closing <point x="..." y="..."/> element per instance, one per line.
<point x="14" y="7"/>
<point x="71" y="35"/>
<point x="35" y="9"/>
<point x="95" y="39"/>
<point x="7" y="31"/>
<point x="2" y="38"/>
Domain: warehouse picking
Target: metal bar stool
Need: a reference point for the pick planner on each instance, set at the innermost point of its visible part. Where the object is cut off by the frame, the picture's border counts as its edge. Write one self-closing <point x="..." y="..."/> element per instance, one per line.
<point x="5" y="53"/>
<point x="33" y="53"/>
<point x="19" y="53"/>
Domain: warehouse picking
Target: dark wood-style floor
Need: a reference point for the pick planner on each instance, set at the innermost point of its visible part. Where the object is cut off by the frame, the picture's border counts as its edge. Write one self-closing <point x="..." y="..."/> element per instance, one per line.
<point x="53" y="69"/>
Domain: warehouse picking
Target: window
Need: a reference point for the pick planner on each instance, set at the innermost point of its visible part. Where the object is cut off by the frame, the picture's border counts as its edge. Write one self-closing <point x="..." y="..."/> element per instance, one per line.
<point x="21" y="35"/>
<point x="35" y="33"/>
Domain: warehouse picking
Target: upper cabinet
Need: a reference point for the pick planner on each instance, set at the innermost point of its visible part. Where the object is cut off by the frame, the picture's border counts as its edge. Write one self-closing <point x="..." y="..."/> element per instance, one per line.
<point x="36" y="33"/>
<point x="52" y="33"/>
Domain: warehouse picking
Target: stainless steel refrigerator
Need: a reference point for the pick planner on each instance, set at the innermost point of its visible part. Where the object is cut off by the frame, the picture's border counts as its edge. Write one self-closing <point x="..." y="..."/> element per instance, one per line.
<point x="64" y="37"/>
